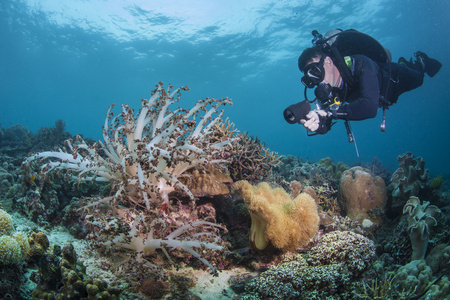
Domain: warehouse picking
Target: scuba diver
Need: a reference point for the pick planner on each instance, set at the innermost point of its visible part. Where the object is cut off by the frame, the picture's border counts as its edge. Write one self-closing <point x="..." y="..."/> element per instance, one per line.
<point x="353" y="76"/>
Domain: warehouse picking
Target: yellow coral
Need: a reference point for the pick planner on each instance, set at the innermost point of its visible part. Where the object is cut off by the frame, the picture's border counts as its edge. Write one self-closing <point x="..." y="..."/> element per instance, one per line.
<point x="6" y="225"/>
<point x="22" y="240"/>
<point x="10" y="250"/>
<point x="40" y="239"/>
<point x="276" y="218"/>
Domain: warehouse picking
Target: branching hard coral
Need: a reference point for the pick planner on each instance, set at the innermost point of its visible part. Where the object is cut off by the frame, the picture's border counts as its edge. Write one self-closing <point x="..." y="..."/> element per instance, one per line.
<point x="251" y="160"/>
<point x="383" y="289"/>
<point x="224" y="130"/>
<point x="145" y="156"/>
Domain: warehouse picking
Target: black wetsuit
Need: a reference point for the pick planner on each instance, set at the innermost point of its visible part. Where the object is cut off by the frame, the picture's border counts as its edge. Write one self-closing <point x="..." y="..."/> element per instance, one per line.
<point x="362" y="100"/>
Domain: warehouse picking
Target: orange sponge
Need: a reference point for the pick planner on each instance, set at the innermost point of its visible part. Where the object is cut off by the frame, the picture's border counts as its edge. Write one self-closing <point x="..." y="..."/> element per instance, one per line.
<point x="276" y="218"/>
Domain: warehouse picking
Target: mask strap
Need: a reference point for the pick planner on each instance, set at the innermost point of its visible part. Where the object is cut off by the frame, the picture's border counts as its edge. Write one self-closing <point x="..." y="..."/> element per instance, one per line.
<point x="306" y="96"/>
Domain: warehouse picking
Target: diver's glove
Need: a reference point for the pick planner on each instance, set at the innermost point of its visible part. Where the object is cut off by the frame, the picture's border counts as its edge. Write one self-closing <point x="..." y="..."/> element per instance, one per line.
<point x="318" y="121"/>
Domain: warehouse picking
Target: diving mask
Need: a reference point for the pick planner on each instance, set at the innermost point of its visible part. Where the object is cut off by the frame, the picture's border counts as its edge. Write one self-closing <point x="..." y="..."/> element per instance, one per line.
<point x="314" y="74"/>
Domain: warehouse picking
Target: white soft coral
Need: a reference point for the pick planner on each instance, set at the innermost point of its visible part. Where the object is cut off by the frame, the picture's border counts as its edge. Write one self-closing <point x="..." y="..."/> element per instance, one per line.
<point x="145" y="156"/>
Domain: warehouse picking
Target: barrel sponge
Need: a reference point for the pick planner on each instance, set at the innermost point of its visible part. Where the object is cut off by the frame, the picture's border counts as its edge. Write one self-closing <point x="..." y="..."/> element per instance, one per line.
<point x="6" y="224"/>
<point x="276" y="218"/>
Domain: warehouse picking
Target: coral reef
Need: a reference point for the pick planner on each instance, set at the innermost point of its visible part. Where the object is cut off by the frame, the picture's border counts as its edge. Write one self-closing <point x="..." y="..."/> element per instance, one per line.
<point x="10" y="250"/>
<point x="145" y="158"/>
<point x="330" y="271"/>
<point x="421" y="217"/>
<point x="294" y="168"/>
<point x="16" y="140"/>
<point x="352" y="249"/>
<point x="51" y="137"/>
<point x="276" y="218"/>
<point x="39" y="244"/>
<point x="416" y="277"/>
<point x="6" y="181"/>
<point x="151" y="203"/>
<point x="62" y="276"/>
<point x="361" y="193"/>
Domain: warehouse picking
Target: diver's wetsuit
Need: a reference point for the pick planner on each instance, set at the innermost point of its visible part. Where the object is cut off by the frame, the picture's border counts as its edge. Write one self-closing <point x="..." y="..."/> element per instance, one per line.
<point x="362" y="101"/>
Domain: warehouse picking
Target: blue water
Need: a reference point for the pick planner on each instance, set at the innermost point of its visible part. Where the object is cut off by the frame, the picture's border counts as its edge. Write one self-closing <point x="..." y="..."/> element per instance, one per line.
<point x="71" y="59"/>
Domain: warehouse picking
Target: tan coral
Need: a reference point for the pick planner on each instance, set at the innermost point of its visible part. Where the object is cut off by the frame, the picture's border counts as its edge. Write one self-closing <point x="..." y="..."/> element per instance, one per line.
<point x="38" y="244"/>
<point x="360" y="192"/>
<point x="207" y="181"/>
<point x="276" y="218"/>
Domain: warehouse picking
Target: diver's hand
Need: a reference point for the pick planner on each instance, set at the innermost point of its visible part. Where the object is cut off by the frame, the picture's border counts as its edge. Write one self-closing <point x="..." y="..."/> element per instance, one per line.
<point x="313" y="119"/>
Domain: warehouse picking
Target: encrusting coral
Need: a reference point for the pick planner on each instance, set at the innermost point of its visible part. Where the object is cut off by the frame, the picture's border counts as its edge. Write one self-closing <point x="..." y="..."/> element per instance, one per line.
<point x="145" y="158"/>
<point x="328" y="271"/>
<point x="420" y="218"/>
<point x="276" y="218"/>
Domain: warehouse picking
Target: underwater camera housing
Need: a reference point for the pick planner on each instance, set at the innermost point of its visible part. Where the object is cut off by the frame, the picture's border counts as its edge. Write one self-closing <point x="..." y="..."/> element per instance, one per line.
<point x="294" y="113"/>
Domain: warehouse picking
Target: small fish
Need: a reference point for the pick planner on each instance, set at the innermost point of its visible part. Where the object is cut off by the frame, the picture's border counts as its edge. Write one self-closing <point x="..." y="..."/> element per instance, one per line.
<point x="33" y="178"/>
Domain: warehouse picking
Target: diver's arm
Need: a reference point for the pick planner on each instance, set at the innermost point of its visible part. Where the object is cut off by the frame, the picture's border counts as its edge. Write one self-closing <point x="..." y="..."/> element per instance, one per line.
<point x="365" y="106"/>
